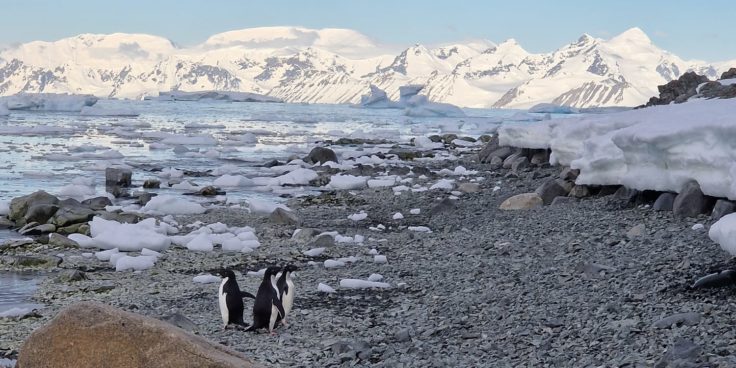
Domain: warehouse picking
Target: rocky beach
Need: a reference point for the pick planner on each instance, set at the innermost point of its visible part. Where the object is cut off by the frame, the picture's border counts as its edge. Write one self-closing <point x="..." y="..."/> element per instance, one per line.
<point x="562" y="276"/>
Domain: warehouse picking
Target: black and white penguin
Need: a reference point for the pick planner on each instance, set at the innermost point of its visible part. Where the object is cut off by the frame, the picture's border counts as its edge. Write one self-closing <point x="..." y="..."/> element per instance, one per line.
<point x="286" y="290"/>
<point x="267" y="307"/>
<point x="231" y="300"/>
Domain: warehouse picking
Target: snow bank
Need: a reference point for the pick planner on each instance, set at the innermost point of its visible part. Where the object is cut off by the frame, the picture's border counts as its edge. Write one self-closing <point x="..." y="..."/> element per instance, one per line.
<point x="723" y="232"/>
<point x="656" y="148"/>
<point x="48" y="102"/>
<point x="171" y="205"/>
<point x="97" y="111"/>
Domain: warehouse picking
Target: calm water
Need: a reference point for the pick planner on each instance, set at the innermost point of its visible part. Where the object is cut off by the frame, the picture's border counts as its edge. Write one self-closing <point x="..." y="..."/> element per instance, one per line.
<point x="16" y="289"/>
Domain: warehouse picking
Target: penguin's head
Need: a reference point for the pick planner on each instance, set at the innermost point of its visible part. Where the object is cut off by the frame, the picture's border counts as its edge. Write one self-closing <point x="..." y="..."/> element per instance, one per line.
<point x="227" y="273"/>
<point x="272" y="271"/>
<point x="290" y="268"/>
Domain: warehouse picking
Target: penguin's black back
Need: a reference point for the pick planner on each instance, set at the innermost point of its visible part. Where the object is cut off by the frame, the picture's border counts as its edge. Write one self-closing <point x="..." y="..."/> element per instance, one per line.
<point x="234" y="301"/>
<point x="265" y="298"/>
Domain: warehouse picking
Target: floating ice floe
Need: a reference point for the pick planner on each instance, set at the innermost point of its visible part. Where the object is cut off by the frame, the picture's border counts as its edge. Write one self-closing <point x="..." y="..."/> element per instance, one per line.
<point x="172" y="205"/>
<point x="362" y="284"/>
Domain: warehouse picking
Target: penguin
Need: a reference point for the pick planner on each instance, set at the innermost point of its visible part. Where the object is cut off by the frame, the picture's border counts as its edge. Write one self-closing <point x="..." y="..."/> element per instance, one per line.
<point x="267" y="307"/>
<point x="231" y="300"/>
<point x="286" y="290"/>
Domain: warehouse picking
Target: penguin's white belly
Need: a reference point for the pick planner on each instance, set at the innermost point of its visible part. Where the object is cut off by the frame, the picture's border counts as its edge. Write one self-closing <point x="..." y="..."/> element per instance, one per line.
<point x="223" y="304"/>
<point x="274" y="315"/>
<point x="288" y="301"/>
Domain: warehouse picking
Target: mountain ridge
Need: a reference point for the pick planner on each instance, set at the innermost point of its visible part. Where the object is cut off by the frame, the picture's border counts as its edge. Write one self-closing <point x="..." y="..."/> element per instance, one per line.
<point x="335" y="65"/>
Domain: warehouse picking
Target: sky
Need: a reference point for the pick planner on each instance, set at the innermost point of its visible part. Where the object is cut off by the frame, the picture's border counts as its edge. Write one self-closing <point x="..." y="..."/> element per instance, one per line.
<point x="691" y="29"/>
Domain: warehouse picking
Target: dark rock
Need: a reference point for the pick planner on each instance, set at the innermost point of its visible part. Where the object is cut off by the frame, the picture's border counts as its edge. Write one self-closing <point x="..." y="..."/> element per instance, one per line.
<point x="496" y="163"/>
<point x="321" y="155"/>
<point x="664" y="202"/>
<point x="484" y="155"/>
<point x="59" y="240"/>
<point x="691" y="201"/>
<point x="39" y="261"/>
<point x="689" y="319"/>
<point x="569" y="174"/>
<point x="449" y="137"/>
<point x="553" y="188"/>
<point x="5" y="223"/>
<point x="485" y="138"/>
<point x="97" y="203"/>
<point x="120" y="177"/>
<point x="33" y="228"/>
<point x="91" y="334"/>
<point x="421" y="170"/>
<point x="405" y="154"/>
<point x="272" y="163"/>
<point x="403" y="335"/>
<point x="728" y="74"/>
<point x="71" y="276"/>
<point x="284" y="217"/>
<point x="607" y="190"/>
<point x="519" y="163"/>
<point x="678" y="90"/>
<point x="683" y="353"/>
<point x="510" y="160"/>
<point x="435" y="138"/>
<point x="116" y="191"/>
<point x="563" y="200"/>
<point x="40" y="213"/>
<point x="580" y="191"/>
<point x="322" y="241"/>
<point x="446" y="205"/>
<point x="73" y="229"/>
<point x="522" y="201"/>
<point x="152" y="184"/>
<point x="722" y="207"/>
<point x="469" y="187"/>
<point x="501" y="152"/>
<point x="208" y="191"/>
<point x="72" y="215"/>
<point x="626" y="196"/>
<point x="145" y="197"/>
<point x="540" y="157"/>
<point x="19" y="206"/>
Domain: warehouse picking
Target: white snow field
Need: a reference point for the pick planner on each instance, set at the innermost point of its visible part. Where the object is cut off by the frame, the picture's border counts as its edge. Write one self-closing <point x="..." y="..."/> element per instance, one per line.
<point x="657" y="148"/>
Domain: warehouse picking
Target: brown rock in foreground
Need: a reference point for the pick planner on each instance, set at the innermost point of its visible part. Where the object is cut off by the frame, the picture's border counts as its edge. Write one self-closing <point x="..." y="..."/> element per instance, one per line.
<point x="92" y="334"/>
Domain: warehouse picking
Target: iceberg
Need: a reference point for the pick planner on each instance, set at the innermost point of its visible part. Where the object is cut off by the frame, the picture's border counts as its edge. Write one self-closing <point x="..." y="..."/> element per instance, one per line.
<point x="48" y="102"/>
<point x="553" y="109"/>
<point x="213" y="95"/>
<point x="411" y="101"/>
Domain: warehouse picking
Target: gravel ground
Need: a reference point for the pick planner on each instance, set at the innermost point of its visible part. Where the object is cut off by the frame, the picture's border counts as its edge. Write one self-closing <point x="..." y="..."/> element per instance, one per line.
<point x="558" y="286"/>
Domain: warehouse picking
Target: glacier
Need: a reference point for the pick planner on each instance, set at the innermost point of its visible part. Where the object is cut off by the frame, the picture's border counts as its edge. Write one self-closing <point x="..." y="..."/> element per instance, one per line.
<point x="60" y="102"/>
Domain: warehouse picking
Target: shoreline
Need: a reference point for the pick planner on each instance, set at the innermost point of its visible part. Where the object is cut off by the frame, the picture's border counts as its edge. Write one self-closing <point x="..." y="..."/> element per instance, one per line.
<point x="562" y="284"/>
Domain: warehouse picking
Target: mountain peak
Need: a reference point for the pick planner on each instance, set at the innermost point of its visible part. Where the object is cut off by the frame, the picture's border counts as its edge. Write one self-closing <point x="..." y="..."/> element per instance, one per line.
<point x="633" y="35"/>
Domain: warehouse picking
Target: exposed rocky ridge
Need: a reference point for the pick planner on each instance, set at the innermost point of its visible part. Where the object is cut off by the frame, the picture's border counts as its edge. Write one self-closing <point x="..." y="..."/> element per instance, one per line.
<point x="690" y="85"/>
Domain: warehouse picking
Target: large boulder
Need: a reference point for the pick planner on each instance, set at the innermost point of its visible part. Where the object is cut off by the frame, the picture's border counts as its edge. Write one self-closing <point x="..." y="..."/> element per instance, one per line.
<point x="91" y="334"/>
<point x="284" y="217"/>
<point x="39" y="213"/>
<point x="66" y="216"/>
<point x="664" y="202"/>
<point x="321" y="155"/>
<point x="729" y="74"/>
<point x="522" y="201"/>
<point x="553" y="188"/>
<point x="19" y="206"/>
<point x="118" y="177"/>
<point x="97" y="203"/>
<point x="722" y="208"/>
<point x="484" y="155"/>
<point x="691" y="201"/>
<point x="678" y="90"/>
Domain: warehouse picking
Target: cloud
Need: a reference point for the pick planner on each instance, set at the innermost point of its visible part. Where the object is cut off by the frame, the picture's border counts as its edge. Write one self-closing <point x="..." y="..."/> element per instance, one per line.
<point x="132" y="50"/>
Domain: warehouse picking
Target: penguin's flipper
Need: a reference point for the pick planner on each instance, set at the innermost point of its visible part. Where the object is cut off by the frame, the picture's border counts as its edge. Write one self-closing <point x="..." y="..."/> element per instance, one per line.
<point x="245" y="294"/>
<point x="719" y="279"/>
<point x="280" y="307"/>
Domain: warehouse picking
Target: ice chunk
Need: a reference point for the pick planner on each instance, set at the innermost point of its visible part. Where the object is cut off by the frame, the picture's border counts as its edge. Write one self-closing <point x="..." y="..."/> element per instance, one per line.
<point x="105" y="254"/>
<point x="358" y="216"/>
<point x="380" y="259"/>
<point x="443" y="184"/>
<point x="314" y="252"/>
<point x="698" y="227"/>
<point x="166" y="204"/>
<point x="362" y="284"/>
<point x="206" y="279"/>
<point x="128" y="237"/>
<point x="420" y="229"/>
<point x="331" y="263"/>
<point x="201" y="243"/>
<point x="348" y="182"/>
<point x="397" y="216"/>
<point x="232" y="181"/>
<point x="264" y="207"/>
<point x="4" y="208"/>
<point x="84" y="241"/>
<point x="375" y="277"/>
<point x="138" y="263"/>
<point x="297" y="177"/>
<point x="723" y="232"/>
<point x="325" y="288"/>
<point x="415" y="211"/>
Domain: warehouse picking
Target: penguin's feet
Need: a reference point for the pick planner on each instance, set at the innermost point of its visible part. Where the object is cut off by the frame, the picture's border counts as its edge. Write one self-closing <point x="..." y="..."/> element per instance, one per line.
<point x="283" y="322"/>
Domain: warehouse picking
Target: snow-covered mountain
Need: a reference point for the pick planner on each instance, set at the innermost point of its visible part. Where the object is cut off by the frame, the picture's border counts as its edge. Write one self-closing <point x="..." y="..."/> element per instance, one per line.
<point x="338" y="66"/>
